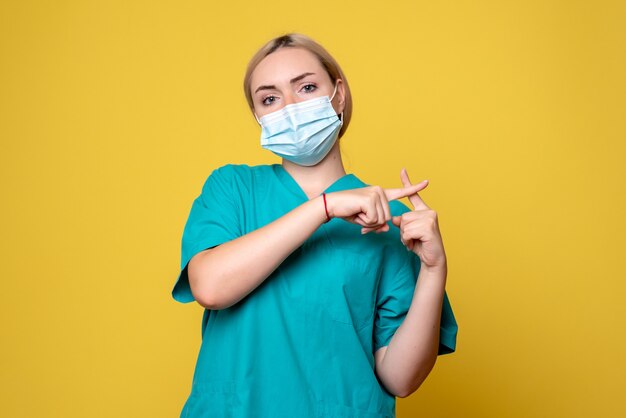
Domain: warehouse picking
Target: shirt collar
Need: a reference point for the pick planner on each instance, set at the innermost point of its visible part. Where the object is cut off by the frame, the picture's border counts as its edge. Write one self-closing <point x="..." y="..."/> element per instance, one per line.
<point x="347" y="181"/>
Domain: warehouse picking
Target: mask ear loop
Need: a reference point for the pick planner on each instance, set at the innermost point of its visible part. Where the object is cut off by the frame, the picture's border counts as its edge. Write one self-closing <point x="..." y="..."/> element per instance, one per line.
<point x="257" y="119"/>
<point x="331" y="99"/>
<point x="334" y="91"/>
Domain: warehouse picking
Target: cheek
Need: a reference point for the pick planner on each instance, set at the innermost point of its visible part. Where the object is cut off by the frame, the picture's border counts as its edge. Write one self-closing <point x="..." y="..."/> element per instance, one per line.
<point x="259" y="110"/>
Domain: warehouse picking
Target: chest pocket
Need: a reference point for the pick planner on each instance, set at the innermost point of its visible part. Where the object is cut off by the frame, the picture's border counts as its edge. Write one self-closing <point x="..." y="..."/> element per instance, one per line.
<point x="341" y="283"/>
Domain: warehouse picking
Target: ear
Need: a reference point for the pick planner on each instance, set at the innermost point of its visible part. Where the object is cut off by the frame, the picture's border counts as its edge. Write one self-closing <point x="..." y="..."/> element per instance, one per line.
<point x="341" y="94"/>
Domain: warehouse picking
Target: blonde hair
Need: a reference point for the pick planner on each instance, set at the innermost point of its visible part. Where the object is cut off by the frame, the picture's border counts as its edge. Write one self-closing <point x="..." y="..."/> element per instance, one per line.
<point x="298" y="40"/>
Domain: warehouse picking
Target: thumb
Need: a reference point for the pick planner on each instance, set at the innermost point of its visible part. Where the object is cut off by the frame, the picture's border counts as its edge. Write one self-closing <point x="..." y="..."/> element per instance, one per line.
<point x="396" y="220"/>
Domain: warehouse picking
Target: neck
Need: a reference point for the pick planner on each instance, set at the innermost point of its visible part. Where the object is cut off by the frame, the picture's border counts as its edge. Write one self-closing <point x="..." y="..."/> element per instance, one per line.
<point x="315" y="179"/>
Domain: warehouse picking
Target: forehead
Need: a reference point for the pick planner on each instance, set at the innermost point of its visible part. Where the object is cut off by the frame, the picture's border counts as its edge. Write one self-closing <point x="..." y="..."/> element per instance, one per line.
<point x="284" y="64"/>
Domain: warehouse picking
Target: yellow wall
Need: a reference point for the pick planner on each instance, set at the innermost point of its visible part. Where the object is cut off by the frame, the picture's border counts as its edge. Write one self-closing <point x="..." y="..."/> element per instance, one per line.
<point x="112" y="114"/>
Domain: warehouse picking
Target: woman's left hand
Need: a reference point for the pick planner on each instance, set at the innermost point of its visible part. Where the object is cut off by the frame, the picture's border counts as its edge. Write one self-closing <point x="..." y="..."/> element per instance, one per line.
<point x="419" y="230"/>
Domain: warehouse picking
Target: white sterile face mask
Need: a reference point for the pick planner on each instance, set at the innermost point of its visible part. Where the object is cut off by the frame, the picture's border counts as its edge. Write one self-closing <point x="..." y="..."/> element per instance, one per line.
<point x="302" y="132"/>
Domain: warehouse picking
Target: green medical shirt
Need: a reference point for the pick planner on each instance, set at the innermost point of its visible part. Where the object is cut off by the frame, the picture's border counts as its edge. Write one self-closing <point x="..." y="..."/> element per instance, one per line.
<point x="302" y="343"/>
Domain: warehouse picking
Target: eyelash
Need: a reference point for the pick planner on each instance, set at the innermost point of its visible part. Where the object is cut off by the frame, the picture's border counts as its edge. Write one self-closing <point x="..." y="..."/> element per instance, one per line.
<point x="263" y="101"/>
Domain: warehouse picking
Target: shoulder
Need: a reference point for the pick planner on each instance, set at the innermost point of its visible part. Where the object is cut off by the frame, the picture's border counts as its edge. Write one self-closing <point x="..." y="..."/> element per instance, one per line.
<point x="232" y="170"/>
<point x="238" y="179"/>
<point x="239" y="173"/>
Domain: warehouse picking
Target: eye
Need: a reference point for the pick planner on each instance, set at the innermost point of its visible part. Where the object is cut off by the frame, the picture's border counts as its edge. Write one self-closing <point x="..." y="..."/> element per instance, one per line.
<point x="267" y="101"/>
<point x="309" y="88"/>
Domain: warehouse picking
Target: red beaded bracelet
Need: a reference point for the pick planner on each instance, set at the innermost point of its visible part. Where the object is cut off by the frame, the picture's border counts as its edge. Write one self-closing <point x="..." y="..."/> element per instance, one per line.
<point x="325" y="208"/>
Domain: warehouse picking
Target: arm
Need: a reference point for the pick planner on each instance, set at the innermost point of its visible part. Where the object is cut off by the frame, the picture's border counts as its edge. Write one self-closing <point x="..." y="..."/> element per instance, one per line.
<point x="411" y="354"/>
<point x="221" y="276"/>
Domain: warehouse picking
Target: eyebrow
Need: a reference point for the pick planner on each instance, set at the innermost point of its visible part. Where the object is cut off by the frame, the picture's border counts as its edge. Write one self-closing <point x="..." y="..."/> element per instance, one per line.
<point x="293" y="80"/>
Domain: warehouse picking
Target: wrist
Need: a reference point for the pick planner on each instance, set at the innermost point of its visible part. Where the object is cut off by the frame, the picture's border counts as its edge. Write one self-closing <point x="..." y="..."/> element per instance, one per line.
<point x="327" y="215"/>
<point x="440" y="269"/>
<point x="317" y="208"/>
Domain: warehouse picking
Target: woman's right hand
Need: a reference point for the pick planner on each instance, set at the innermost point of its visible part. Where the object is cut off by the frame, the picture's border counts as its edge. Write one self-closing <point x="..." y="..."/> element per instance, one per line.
<point x="368" y="206"/>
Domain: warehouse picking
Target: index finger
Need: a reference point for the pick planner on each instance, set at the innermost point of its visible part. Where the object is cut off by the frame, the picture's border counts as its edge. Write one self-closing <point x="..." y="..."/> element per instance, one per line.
<point x="416" y="200"/>
<point x="399" y="193"/>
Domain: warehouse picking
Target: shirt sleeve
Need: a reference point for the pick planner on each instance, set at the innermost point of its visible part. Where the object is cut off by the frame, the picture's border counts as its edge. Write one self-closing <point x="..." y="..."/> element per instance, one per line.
<point x="395" y="293"/>
<point x="213" y="220"/>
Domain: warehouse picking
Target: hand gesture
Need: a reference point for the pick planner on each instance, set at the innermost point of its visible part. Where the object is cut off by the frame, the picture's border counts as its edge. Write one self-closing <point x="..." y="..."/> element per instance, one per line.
<point x="368" y="206"/>
<point x="419" y="228"/>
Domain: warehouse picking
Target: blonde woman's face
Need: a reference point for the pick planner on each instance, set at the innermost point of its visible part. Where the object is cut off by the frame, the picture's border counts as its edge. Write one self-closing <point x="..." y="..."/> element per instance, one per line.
<point x="291" y="75"/>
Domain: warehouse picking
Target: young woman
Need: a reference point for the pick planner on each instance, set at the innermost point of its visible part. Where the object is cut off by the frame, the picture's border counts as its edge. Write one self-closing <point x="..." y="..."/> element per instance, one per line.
<point x="324" y="296"/>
